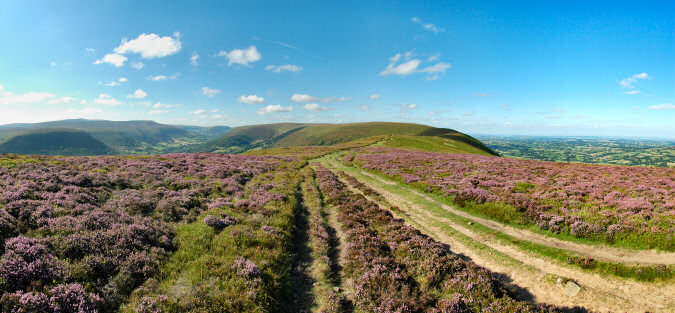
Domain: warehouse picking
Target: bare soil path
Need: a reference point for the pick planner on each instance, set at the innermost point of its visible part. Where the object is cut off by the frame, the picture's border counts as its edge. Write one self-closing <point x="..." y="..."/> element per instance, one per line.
<point x="598" y="252"/>
<point x="526" y="270"/>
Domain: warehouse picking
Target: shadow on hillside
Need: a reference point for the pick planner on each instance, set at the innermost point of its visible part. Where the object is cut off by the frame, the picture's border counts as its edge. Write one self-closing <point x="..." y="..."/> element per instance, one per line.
<point x="302" y="297"/>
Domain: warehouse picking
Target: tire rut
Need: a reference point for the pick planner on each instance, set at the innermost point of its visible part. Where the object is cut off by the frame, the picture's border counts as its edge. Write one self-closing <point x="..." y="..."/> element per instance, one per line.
<point x="598" y="293"/>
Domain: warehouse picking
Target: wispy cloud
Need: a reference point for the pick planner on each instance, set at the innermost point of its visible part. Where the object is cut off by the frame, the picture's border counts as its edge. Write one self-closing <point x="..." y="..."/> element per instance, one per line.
<point x="427" y="26"/>
<point x="629" y="82"/>
<point x="194" y="59"/>
<point x="664" y="106"/>
<point x="210" y="92"/>
<point x="282" y="68"/>
<point x="315" y="107"/>
<point x="374" y="97"/>
<point x="406" y="64"/>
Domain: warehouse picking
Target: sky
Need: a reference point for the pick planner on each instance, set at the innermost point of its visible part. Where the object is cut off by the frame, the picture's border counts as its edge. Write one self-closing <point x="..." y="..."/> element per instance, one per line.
<point x="595" y="68"/>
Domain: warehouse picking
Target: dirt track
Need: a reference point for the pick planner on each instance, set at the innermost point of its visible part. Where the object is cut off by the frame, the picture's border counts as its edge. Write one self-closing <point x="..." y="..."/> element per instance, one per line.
<point x="527" y="270"/>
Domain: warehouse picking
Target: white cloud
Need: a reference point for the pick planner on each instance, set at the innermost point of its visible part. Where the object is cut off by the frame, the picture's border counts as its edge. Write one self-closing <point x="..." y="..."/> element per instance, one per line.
<point x="364" y="107"/>
<point x="412" y="66"/>
<point x="665" y="106"/>
<point x="408" y="106"/>
<point x="335" y="99"/>
<point x="106" y="99"/>
<point x="2" y="88"/>
<point x="122" y="80"/>
<point x="468" y="114"/>
<point x="30" y="97"/>
<point x="251" y="99"/>
<point x="83" y="102"/>
<point x="506" y="107"/>
<point x="137" y="65"/>
<point x="241" y="56"/>
<point x="214" y="111"/>
<point x="150" y="46"/>
<point x="632" y="92"/>
<point x="153" y="112"/>
<point x="138" y="94"/>
<point x="159" y="105"/>
<point x="315" y="107"/>
<point x="374" y="97"/>
<point x="629" y="81"/>
<point x="60" y="100"/>
<point x="117" y="83"/>
<point x="197" y="112"/>
<point x="157" y="78"/>
<point x="302" y="98"/>
<point x="114" y="59"/>
<point x="285" y="67"/>
<point x="427" y="26"/>
<point x="210" y="92"/>
<point x="274" y="109"/>
<point x="90" y="51"/>
<point x="194" y="58"/>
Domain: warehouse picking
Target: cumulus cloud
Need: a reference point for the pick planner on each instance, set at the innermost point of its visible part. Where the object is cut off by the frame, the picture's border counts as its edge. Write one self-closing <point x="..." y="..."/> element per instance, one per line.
<point x="251" y="99"/>
<point x="274" y="109"/>
<point x="30" y="97"/>
<point x="194" y="59"/>
<point x="427" y="26"/>
<point x="197" y="112"/>
<point x="106" y="99"/>
<point x="315" y="107"/>
<point x="374" y="97"/>
<point x="285" y="67"/>
<point x="116" y="60"/>
<point x="665" y="106"/>
<point x="60" y="100"/>
<point x="629" y="82"/>
<point x="364" y="107"/>
<point x="210" y="92"/>
<point x="138" y="94"/>
<point x="241" y="56"/>
<point x="302" y="98"/>
<point x="405" y="64"/>
<point x="150" y="46"/>
<point x="137" y="65"/>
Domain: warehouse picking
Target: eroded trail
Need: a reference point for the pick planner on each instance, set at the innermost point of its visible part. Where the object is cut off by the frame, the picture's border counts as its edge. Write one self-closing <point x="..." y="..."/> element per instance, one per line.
<point x="301" y="276"/>
<point x="598" y="252"/>
<point x="520" y="268"/>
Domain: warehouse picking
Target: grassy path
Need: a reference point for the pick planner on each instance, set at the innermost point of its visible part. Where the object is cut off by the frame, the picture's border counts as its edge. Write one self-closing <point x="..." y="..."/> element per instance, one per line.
<point x="598" y="252"/>
<point x="537" y="273"/>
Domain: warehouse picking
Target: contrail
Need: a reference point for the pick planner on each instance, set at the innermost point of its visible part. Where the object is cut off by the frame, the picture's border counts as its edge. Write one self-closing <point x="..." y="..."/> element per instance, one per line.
<point x="283" y="44"/>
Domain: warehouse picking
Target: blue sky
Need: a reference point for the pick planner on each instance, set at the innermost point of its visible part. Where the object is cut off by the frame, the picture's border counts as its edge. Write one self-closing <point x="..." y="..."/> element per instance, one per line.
<point x="534" y="68"/>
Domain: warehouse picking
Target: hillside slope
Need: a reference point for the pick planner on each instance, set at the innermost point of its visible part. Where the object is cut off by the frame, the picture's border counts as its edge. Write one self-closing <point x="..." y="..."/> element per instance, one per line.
<point x="290" y="134"/>
<point x="55" y="142"/>
<point x="127" y="137"/>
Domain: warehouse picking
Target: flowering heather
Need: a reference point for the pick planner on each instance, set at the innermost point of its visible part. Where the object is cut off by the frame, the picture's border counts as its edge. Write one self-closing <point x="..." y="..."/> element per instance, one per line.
<point x="585" y="201"/>
<point x="79" y="234"/>
<point x="397" y="269"/>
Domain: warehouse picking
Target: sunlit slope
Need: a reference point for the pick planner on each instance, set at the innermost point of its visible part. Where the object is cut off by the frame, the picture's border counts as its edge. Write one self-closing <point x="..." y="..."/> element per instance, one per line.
<point x="433" y="143"/>
<point x="292" y="135"/>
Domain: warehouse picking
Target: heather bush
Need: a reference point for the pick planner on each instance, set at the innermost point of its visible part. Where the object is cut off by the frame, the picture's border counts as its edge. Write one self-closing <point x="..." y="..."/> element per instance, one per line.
<point x="615" y="204"/>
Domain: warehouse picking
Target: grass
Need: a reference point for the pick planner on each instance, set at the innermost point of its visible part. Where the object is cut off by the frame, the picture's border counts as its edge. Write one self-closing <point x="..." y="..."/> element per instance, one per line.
<point x="201" y="277"/>
<point x="431" y="143"/>
<point x="637" y="272"/>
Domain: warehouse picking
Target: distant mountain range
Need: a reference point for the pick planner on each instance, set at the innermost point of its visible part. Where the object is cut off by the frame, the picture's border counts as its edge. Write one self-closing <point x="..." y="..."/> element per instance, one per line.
<point x="97" y="137"/>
